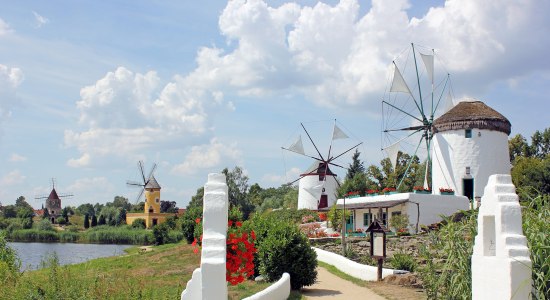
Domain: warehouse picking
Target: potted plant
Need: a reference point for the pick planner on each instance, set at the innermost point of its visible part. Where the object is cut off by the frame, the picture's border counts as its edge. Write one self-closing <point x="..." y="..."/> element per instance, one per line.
<point x="352" y="194"/>
<point x="388" y="190"/>
<point x="372" y="192"/>
<point x="418" y="189"/>
<point x="446" y="191"/>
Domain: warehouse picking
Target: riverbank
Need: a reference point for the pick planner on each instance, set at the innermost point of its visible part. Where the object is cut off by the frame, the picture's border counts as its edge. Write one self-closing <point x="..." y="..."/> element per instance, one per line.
<point x="124" y="235"/>
<point x="157" y="274"/>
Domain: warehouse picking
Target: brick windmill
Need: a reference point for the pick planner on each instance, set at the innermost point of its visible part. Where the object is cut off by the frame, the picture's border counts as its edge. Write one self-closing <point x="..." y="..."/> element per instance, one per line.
<point x="53" y="203"/>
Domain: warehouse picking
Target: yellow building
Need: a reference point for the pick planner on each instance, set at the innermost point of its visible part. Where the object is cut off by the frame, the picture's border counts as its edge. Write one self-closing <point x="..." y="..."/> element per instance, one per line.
<point x="151" y="211"/>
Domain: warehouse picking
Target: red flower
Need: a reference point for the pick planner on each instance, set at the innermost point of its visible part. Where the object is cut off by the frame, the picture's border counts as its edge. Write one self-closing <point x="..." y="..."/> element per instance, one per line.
<point x="197" y="220"/>
<point x="239" y="224"/>
<point x="230" y="223"/>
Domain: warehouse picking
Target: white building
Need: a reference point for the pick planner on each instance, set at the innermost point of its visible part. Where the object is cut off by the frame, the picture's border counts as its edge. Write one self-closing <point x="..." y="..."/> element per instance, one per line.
<point x="469" y="145"/>
<point x="317" y="188"/>
<point x="422" y="209"/>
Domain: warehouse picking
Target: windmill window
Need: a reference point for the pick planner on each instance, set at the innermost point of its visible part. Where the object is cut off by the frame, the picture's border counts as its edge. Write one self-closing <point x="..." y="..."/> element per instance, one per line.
<point x="157" y="200"/>
<point x="468" y="133"/>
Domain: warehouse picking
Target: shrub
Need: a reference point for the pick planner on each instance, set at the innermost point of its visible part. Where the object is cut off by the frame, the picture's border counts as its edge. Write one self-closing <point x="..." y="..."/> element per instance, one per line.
<point x="403" y="261"/>
<point x="188" y="222"/>
<point x="283" y="248"/>
<point x="160" y="232"/>
<point x="335" y="217"/>
<point x="9" y="262"/>
<point x="139" y="224"/>
<point x="61" y="221"/>
<point x="399" y="223"/>
<point x="45" y="225"/>
<point x="86" y="221"/>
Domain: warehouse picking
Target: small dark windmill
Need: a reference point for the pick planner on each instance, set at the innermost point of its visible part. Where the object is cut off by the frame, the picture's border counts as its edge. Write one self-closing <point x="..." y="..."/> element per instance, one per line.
<point x="317" y="186"/>
<point x="150" y="187"/>
<point x="53" y="202"/>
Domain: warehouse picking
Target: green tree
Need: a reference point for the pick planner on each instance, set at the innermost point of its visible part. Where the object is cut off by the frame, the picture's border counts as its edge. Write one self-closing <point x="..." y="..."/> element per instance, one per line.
<point x="65" y="214"/>
<point x="94" y="221"/>
<point x="101" y="220"/>
<point x="122" y="202"/>
<point x="356" y="165"/>
<point x="9" y="211"/>
<point x="86" y="221"/>
<point x="518" y="147"/>
<point x="237" y="184"/>
<point x="86" y="208"/>
<point x="138" y="207"/>
<point x="168" y="206"/>
<point x="121" y="217"/>
<point x="21" y="203"/>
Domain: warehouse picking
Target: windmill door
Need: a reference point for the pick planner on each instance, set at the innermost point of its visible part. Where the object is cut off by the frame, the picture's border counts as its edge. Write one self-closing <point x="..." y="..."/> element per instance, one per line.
<point x="323" y="202"/>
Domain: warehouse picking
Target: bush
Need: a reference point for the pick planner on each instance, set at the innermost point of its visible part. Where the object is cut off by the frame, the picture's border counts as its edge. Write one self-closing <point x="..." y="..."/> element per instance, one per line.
<point x="139" y="224"/>
<point x="45" y="225"/>
<point x="335" y="218"/>
<point x="160" y="232"/>
<point x="403" y="261"/>
<point x="61" y="221"/>
<point x="188" y="222"/>
<point x="9" y="262"/>
<point x="283" y="248"/>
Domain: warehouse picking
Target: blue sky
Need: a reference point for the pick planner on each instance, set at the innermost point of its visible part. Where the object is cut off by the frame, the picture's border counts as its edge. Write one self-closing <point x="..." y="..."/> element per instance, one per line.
<point x="89" y="88"/>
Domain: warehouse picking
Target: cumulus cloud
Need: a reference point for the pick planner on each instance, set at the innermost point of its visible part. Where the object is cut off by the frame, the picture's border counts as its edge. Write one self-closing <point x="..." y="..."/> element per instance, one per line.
<point x="208" y="156"/>
<point x="4" y="28"/>
<point x="291" y="175"/>
<point x="10" y="79"/>
<point x="40" y="20"/>
<point x="335" y="56"/>
<point x="126" y="112"/>
<point x="12" y="178"/>
<point x="17" y="157"/>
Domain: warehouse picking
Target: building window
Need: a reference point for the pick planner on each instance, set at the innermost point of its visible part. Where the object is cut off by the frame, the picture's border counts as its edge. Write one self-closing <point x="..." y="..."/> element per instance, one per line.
<point x="157" y="200"/>
<point x="468" y="133"/>
<point x="367" y="219"/>
<point x="385" y="219"/>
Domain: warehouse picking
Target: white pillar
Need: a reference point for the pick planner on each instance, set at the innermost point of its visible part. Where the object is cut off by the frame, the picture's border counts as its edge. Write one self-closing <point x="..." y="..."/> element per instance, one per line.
<point x="501" y="267"/>
<point x="209" y="281"/>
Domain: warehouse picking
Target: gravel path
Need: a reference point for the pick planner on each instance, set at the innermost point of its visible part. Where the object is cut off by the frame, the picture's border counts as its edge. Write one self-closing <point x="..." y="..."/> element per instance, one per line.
<point x="330" y="286"/>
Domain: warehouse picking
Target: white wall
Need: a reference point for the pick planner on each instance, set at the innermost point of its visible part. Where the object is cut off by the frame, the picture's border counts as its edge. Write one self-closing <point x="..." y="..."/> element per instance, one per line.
<point x="485" y="154"/>
<point x="307" y="200"/>
<point x="352" y="268"/>
<point x="431" y="207"/>
<point x="280" y="290"/>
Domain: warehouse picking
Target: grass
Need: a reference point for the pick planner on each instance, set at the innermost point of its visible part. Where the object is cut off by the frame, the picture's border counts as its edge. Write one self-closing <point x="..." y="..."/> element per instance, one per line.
<point x="158" y="274"/>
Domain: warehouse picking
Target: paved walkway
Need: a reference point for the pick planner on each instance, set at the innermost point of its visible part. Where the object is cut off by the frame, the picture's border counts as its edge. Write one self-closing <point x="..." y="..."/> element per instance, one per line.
<point x="330" y="286"/>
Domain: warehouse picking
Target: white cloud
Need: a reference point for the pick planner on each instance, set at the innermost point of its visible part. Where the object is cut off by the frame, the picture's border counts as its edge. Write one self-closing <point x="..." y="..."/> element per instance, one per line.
<point x="87" y="185"/>
<point x="336" y="57"/>
<point x="291" y="175"/>
<point x="10" y="79"/>
<point x="4" y="28"/>
<point x="17" y="157"/>
<point x="208" y="156"/>
<point x="40" y="20"/>
<point x="125" y="112"/>
<point x="12" y="178"/>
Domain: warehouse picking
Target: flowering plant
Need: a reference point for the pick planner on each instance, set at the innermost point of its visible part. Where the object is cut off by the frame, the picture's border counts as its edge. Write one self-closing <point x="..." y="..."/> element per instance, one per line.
<point x="308" y="219"/>
<point x="335" y="234"/>
<point x="352" y="194"/>
<point x="388" y="189"/>
<point x="446" y="190"/>
<point x="239" y="252"/>
<point x="372" y="192"/>
<point x="322" y="216"/>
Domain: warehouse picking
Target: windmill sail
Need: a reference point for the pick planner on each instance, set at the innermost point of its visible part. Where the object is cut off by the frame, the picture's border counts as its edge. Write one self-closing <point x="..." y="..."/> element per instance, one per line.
<point x="316" y="191"/>
<point x="429" y="64"/>
<point x="392" y="152"/>
<point x="297" y="146"/>
<point x="337" y="133"/>
<point x="398" y="83"/>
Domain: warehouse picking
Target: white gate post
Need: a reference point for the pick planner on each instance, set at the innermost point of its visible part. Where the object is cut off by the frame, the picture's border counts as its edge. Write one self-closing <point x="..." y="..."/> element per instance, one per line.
<point x="501" y="267"/>
<point x="208" y="281"/>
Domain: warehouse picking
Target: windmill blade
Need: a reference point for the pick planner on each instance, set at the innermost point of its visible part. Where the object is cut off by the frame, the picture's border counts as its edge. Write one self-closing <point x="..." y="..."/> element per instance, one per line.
<point x="337" y="165"/>
<point x="134" y="183"/>
<point x="65" y="195"/>
<point x="406" y="128"/>
<point x="312" y="157"/>
<point x="333" y="158"/>
<point x="140" y="167"/>
<point x="152" y="171"/>
<point x="139" y="195"/>
<point x="321" y="156"/>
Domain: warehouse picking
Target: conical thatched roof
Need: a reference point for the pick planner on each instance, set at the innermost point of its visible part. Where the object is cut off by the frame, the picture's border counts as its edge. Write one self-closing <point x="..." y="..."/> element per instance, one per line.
<point x="472" y="115"/>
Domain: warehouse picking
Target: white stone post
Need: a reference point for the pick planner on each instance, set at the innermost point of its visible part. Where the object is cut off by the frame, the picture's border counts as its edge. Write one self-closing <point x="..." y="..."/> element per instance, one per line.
<point x="208" y="281"/>
<point x="501" y="267"/>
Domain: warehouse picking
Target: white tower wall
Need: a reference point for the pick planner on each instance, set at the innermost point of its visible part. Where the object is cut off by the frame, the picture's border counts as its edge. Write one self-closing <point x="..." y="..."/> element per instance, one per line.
<point x="307" y="197"/>
<point x="485" y="153"/>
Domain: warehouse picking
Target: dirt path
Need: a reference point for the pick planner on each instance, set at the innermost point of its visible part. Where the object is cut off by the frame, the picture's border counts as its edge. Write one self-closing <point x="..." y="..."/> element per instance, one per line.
<point x="330" y="286"/>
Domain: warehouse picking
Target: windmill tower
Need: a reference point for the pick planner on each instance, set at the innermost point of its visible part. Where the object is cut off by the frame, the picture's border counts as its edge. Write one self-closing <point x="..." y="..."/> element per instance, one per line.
<point x="470" y="144"/>
<point x="317" y="187"/>
<point x="53" y="202"/>
<point x="151" y="189"/>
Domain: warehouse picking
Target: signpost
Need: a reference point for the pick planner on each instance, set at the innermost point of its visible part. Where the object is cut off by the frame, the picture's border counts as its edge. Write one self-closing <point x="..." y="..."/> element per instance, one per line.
<point x="377" y="244"/>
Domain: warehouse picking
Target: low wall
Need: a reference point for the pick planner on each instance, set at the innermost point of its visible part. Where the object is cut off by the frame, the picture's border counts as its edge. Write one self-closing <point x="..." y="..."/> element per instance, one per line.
<point x="357" y="270"/>
<point x="278" y="290"/>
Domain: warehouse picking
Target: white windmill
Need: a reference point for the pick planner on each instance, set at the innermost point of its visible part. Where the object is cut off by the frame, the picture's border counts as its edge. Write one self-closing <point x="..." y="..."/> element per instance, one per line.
<point x="414" y="98"/>
<point x="317" y="188"/>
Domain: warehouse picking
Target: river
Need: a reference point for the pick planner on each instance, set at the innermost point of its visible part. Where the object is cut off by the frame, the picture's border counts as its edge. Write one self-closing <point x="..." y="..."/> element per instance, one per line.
<point x="32" y="254"/>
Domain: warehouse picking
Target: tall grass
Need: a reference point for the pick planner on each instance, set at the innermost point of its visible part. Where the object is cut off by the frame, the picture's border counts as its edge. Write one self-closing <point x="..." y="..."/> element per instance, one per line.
<point x="117" y="235"/>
